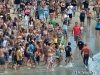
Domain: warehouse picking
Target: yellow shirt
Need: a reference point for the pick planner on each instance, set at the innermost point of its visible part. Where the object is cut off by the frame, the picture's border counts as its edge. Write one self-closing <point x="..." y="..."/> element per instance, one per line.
<point x="55" y="40"/>
<point x="18" y="54"/>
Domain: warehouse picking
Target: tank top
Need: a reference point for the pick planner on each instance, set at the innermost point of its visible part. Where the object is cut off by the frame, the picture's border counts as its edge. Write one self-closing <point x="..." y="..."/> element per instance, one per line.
<point x="55" y="40"/>
<point x="14" y="23"/>
<point x="98" y="25"/>
<point x="82" y="14"/>
<point x="31" y="24"/>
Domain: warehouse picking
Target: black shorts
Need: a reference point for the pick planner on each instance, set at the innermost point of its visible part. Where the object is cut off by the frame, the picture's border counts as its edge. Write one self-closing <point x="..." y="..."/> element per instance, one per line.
<point x="82" y="19"/>
<point x="89" y="18"/>
<point x="38" y="59"/>
<point x="70" y="15"/>
<point x="97" y="28"/>
<point x="62" y="10"/>
<point x="51" y="10"/>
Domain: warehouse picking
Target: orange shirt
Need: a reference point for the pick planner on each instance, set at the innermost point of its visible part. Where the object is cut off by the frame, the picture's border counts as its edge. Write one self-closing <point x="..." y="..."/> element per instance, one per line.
<point x="76" y="30"/>
<point x="86" y="50"/>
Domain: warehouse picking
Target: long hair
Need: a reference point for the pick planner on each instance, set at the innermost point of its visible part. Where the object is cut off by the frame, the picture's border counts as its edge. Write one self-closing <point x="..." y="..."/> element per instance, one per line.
<point x="30" y="19"/>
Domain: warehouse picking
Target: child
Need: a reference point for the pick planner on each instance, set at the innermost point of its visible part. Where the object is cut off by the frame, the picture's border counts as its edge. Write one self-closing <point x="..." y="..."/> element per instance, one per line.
<point x="14" y="59"/>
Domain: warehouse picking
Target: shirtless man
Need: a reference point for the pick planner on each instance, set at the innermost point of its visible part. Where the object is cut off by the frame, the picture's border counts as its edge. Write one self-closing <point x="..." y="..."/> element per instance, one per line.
<point x="2" y="59"/>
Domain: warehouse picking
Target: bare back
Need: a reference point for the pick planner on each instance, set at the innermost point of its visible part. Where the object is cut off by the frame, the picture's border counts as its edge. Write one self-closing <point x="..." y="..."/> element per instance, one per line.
<point x="1" y="53"/>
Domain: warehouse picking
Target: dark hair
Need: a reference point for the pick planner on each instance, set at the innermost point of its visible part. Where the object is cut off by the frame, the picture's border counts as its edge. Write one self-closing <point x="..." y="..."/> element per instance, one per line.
<point x="65" y="22"/>
<point x="69" y="43"/>
<point x="88" y="8"/>
<point x="35" y="49"/>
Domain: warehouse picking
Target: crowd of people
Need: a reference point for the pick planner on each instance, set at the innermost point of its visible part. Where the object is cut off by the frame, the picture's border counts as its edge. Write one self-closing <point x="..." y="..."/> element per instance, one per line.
<point x="38" y="39"/>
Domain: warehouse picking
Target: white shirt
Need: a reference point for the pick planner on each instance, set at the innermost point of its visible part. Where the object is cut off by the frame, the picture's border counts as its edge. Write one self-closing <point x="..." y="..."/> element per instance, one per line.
<point x="66" y="16"/>
<point x="70" y="9"/>
<point x="31" y="24"/>
<point x="26" y="17"/>
<point x="10" y="59"/>
<point x="22" y="50"/>
<point x="4" y="43"/>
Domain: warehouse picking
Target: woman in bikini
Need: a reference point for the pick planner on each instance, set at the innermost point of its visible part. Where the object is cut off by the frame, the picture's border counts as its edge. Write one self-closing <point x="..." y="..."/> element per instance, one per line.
<point x="89" y="17"/>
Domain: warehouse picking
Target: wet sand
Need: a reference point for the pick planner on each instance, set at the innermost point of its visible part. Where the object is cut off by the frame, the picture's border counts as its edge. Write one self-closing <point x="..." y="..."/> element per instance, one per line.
<point x="88" y="37"/>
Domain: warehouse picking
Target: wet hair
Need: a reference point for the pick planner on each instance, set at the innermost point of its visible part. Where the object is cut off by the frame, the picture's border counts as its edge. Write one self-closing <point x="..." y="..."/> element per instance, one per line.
<point x="31" y="42"/>
<point x="27" y="44"/>
<point x="85" y="44"/>
<point x="56" y="46"/>
<point x="69" y="43"/>
<point x="76" y="22"/>
<point x="35" y="49"/>
<point x="65" y="22"/>
<point x="38" y="42"/>
<point x="10" y="51"/>
<point x="48" y="43"/>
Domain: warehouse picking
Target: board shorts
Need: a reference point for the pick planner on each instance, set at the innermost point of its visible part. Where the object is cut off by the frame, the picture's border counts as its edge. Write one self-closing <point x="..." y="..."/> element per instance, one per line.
<point x="2" y="61"/>
<point x="74" y="8"/>
<point x="19" y="62"/>
<point x="70" y="15"/>
<point x="76" y="37"/>
<point x="64" y="31"/>
<point x="82" y="19"/>
<point x="16" y="6"/>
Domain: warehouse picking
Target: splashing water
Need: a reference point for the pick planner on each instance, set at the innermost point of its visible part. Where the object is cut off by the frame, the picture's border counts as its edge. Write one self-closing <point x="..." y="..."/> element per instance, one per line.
<point x="94" y="65"/>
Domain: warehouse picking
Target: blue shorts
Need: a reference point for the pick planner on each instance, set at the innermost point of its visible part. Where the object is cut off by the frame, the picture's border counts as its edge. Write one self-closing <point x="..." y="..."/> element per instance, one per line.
<point x="19" y="62"/>
<point x="6" y="54"/>
<point x="27" y="55"/>
<point x="74" y="9"/>
<point x="64" y="31"/>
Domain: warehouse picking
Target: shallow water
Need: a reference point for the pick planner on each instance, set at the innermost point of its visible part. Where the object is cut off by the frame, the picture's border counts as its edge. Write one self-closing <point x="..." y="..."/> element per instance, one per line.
<point x="88" y="37"/>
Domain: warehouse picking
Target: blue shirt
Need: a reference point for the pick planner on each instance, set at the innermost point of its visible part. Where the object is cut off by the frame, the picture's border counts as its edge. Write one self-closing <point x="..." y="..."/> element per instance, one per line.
<point x="64" y="26"/>
<point x="58" y="54"/>
<point x="31" y="48"/>
<point x="97" y="24"/>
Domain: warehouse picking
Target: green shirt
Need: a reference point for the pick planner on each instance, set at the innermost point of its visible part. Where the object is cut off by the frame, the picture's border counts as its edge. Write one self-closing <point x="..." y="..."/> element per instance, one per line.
<point x="53" y="22"/>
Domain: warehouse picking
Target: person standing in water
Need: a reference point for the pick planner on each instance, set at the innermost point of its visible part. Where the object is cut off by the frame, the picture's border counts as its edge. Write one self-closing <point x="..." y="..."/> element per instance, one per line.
<point x="74" y="3"/>
<point x="76" y="31"/>
<point x="82" y="17"/>
<point x="69" y="57"/>
<point x="80" y="46"/>
<point x="86" y="51"/>
<point x="2" y="58"/>
<point x="89" y="17"/>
